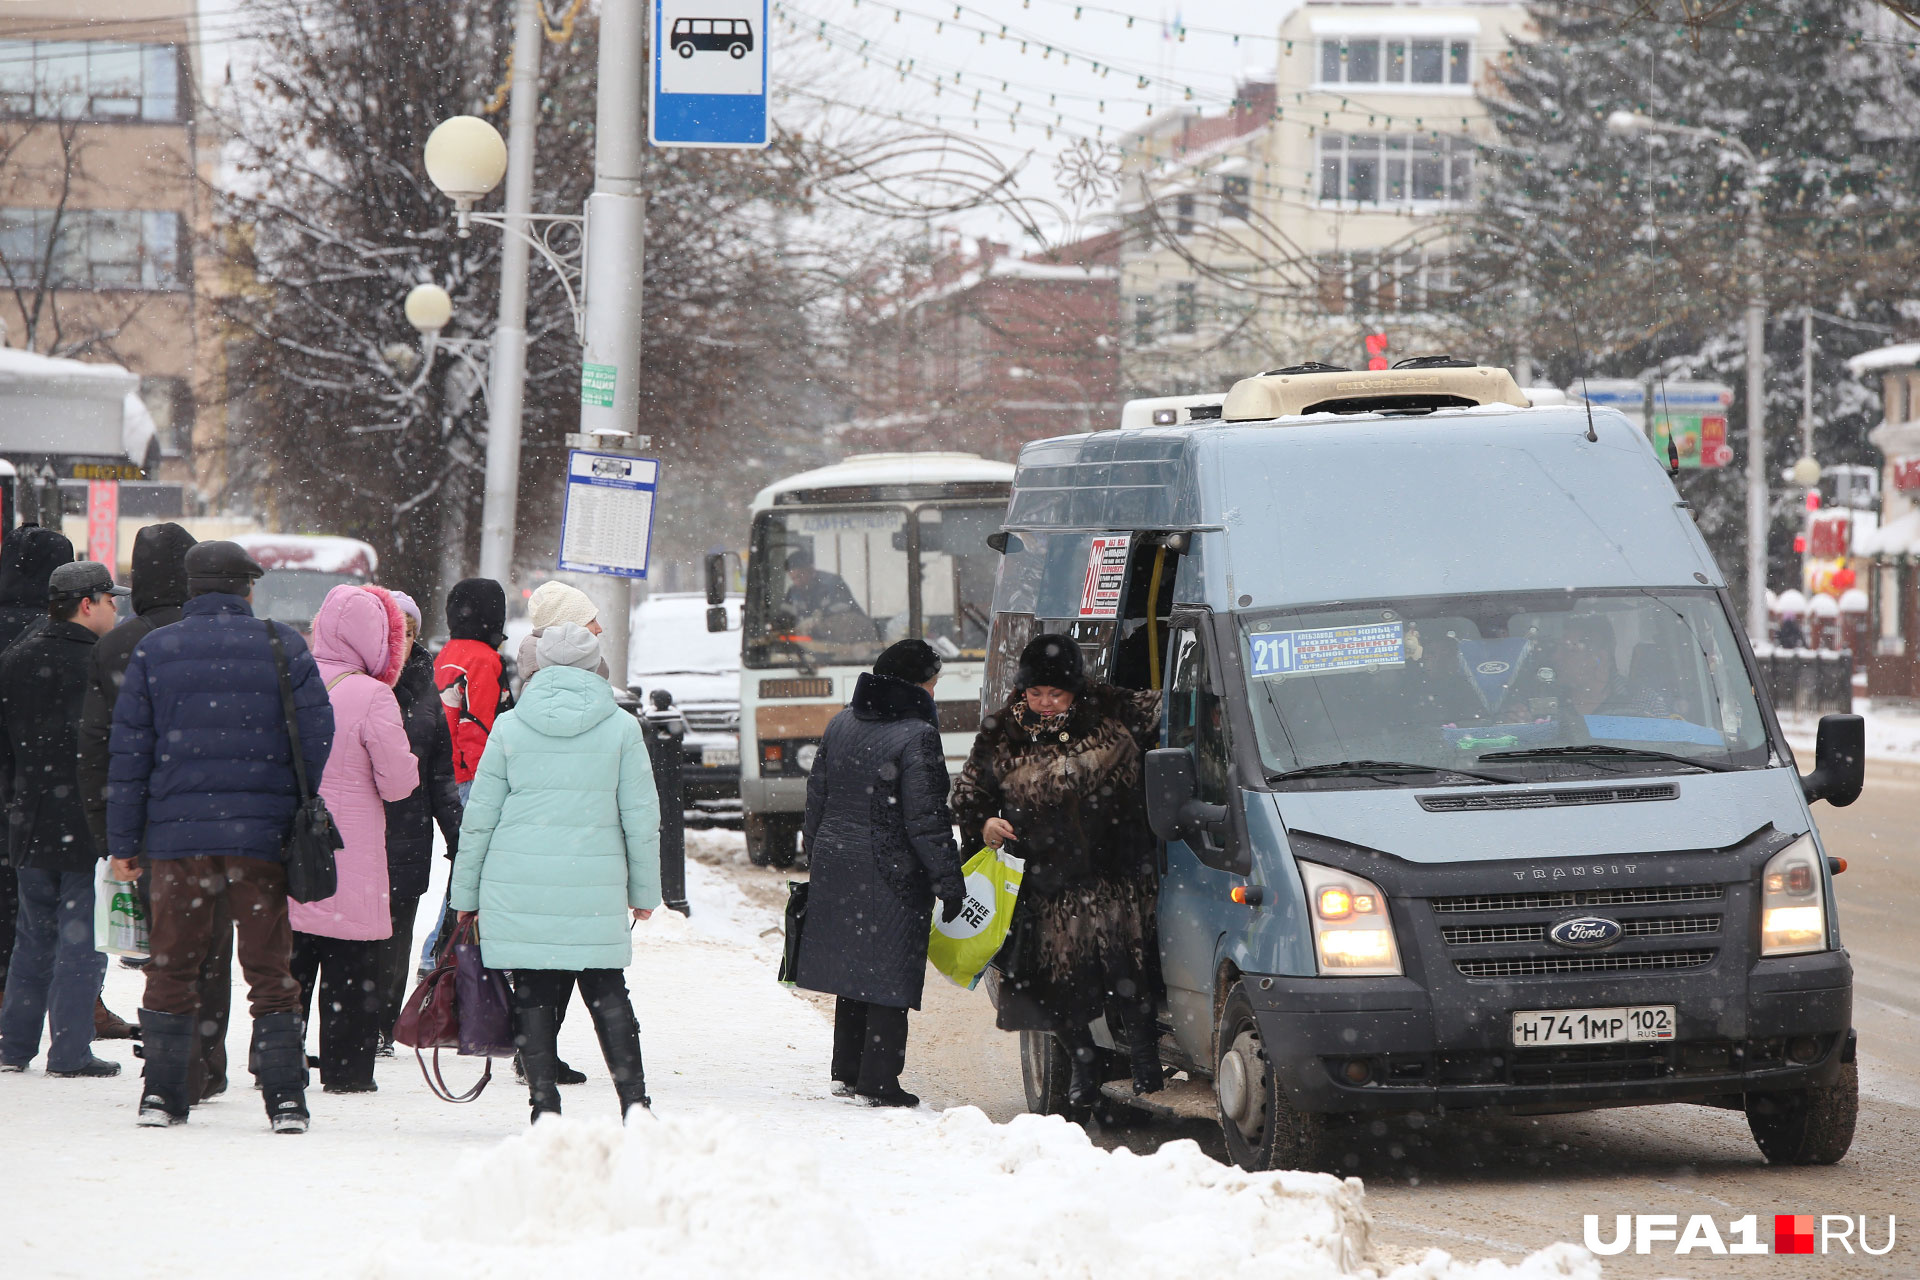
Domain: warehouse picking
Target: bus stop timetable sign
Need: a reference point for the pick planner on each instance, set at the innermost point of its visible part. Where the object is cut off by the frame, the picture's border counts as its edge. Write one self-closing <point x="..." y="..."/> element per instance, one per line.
<point x="709" y="73"/>
<point x="608" y="523"/>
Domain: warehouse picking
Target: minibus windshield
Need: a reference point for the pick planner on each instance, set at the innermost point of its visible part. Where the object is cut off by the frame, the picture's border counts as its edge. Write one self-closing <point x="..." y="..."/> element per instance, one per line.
<point x="1537" y="685"/>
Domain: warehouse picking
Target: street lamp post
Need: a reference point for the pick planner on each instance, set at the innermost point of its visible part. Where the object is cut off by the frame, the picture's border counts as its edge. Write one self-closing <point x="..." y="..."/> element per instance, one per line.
<point x="1630" y="123"/>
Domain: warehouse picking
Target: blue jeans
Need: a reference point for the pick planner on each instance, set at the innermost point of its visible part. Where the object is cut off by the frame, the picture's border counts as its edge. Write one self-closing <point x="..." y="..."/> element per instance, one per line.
<point x="433" y="934"/>
<point x="56" y="974"/>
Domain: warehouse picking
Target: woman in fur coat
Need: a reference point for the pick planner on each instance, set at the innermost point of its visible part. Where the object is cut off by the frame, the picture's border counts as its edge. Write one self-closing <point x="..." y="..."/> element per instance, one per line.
<point x="1057" y="771"/>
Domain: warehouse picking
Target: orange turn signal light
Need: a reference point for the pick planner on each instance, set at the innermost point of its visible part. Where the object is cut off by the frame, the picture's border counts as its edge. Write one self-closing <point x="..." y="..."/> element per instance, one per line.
<point x="1335" y="903"/>
<point x="1247" y="895"/>
<point x="1836" y="865"/>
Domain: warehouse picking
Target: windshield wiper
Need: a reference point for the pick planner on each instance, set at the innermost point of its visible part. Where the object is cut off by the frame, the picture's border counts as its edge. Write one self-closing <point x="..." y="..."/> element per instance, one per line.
<point x="1602" y="749"/>
<point x="1364" y="768"/>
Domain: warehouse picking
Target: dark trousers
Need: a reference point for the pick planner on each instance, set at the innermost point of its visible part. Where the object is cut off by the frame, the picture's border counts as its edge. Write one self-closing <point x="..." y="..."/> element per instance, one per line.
<point x="869" y="1044"/>
<point x="396" y="963"/>
<point x="551" y="988"/>
<point x="346" y="975"/>
<point x="55" y="974"/>
<point x="9" y="907"/>
<point x="193" y="898"/>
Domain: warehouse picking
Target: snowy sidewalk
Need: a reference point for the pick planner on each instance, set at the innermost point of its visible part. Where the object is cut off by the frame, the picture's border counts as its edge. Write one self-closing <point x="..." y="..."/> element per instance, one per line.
<point x="749" y="1169"/>
<point x="1893" y="732"/>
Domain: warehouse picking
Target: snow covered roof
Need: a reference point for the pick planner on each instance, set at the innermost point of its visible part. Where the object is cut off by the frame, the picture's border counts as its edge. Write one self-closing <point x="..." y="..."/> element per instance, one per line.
<point x="892" y="469"/>
<point x="1899" y="538"/>
<point x="53" y="405"/>
<point x="315" y="553"/>
<point x="1904" y="355"/>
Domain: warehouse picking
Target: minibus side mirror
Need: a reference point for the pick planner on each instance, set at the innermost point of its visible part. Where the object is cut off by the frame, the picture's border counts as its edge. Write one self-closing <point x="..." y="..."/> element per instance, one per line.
<point x="1174" y="810"/>
<point x="717" y="585"/>
<point x="1839" y="761"/>
<point x="717" y="618"/>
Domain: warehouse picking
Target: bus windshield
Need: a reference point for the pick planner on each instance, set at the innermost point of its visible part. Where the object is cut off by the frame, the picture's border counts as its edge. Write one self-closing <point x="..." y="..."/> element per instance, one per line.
<point x="836" y="585"/>
<point x="1536" y="685"/>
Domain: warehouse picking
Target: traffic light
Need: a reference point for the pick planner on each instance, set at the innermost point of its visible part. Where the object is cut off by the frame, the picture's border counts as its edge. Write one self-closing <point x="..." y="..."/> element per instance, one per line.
<point x="1376" y="351"/>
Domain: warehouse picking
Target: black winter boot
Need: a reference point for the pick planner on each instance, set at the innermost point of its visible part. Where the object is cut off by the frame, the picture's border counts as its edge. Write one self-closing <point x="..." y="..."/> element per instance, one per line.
<point x="1143" y="1047"/>
<point x="280" y="1049"/>
<point x="537" y="1029"/>
<point x="619" y="1033"/>
<point x="1083" y="1084"/>
<point x="166" y="1041"/>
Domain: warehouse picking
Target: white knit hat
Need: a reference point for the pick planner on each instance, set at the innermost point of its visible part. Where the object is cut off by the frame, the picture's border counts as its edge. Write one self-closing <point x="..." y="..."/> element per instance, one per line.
<point x="557" y="602"/>
<point x="568" y="644"/>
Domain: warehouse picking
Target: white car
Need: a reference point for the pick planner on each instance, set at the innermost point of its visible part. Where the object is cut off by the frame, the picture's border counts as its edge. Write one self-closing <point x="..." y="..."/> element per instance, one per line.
<point x="672" y="650"/>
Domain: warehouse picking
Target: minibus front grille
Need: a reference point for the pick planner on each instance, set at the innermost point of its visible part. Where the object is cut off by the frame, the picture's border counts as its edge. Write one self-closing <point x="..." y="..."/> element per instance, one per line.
<point x="1566" y="898"/>
<point x="1544" y="966"/>
<point x="1483" y="935"/>
<point x="1480" y="801"/>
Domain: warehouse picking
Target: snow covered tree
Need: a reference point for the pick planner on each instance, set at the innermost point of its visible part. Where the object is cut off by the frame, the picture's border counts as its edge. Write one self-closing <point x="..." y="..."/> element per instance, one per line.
<point x="1601" y="254"/>
<point x="327" y="220"/>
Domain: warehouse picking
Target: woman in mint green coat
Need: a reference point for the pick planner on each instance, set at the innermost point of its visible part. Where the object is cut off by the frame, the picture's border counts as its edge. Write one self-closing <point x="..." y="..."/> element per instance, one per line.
<point x="560" y="842"/>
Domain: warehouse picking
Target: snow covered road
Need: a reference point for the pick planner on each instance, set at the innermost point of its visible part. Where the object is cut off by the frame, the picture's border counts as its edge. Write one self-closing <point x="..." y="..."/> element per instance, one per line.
<point x="749" y="1169"/>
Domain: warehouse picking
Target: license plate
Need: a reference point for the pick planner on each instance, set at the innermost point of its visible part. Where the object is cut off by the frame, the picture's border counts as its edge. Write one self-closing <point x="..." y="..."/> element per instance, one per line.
<point x="716" y="757"/>
<point x="1629" y="1024"/>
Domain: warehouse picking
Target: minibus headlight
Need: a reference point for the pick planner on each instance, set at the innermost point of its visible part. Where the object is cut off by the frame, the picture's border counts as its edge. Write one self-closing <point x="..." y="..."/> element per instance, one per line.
<point x="1352" y="932"/>
<point x="1793" y="901"/>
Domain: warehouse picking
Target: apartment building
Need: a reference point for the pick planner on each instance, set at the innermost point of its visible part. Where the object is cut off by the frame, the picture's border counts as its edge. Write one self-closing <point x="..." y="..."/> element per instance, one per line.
<point x="1292" y="234"/>
<point x="100" y="208"/>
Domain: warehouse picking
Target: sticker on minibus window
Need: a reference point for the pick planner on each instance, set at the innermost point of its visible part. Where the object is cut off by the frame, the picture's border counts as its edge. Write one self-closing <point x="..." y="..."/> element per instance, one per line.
<point x="1299" y="653"/>
<point x="1106" y="574"/>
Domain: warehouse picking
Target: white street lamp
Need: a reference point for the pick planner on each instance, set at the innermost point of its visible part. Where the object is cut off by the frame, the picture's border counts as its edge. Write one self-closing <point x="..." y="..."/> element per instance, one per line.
<point x="1806" y="472"/>
<point x="1632" y="123"/>
<point x="429" y="308"/>
<point x="465" y="157"/>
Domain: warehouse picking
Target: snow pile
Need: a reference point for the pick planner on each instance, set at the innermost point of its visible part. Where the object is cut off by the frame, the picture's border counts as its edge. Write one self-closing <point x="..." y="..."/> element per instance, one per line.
<point x="708" y="1194"/>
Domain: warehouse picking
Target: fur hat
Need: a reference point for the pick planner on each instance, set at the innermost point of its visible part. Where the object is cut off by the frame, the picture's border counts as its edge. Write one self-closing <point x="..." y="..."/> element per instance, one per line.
<point x="568" y="644"/>
<point x="914" y="661"/>
<point x="556" y="602"/>
<point x="1051" y="662"/>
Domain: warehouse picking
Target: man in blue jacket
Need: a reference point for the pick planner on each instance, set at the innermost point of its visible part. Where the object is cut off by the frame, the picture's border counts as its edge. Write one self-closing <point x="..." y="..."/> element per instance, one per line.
<point x="201" y="785"/>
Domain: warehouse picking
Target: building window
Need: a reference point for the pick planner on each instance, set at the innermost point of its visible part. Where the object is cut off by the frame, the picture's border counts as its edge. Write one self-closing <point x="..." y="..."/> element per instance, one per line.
<point x="1143" y="320"/>
<point x="1234" y="192"/>
<point x="1409" y="60"/>
<point x="1371" y="283"/>
<point x="92" y="249"/>
<point x="1183" y="214"/>
<point x="1396" y="168"/>
<point x="1186" y="307"/>
<point x="89" y="80"/>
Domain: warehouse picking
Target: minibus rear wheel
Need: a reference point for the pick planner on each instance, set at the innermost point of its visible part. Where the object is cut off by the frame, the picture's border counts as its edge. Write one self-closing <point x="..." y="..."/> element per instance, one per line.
<point x="1807" y="1126"/>
<point x="1263" y="1130"/>
<point x="772" y="838"/>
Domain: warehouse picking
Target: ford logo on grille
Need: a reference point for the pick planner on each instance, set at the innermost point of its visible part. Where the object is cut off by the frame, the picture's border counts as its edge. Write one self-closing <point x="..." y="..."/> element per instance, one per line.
<point x="1584" y="933"/>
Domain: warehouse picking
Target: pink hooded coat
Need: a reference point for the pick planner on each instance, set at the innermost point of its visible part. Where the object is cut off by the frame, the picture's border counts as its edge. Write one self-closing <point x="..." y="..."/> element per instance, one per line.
<point x="360" y="642"/>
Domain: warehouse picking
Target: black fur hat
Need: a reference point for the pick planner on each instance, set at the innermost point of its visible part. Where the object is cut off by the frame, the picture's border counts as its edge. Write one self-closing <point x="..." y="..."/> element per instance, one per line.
<point x="914" y="661"/>
<point x="1052" y="662"/>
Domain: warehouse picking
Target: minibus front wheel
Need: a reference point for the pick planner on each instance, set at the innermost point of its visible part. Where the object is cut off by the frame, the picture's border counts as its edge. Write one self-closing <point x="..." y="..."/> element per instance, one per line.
<point x="1263" y="1130"/>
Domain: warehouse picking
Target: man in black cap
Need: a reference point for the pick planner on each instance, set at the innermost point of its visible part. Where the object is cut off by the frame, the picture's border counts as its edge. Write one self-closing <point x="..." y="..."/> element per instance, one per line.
<point x="159" y="583"/>
<point x="56" y="974"/>
<point x="201" y="785"/>
<point x="812" y="592"/>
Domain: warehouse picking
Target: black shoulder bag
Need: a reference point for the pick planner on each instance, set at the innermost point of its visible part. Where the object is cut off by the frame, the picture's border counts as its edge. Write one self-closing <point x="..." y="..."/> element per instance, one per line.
<point x="312" y="873"/>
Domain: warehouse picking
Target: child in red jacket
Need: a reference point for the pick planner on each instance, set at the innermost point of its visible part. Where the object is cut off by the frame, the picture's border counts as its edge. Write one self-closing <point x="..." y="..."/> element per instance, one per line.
<point x="468" y="671"/>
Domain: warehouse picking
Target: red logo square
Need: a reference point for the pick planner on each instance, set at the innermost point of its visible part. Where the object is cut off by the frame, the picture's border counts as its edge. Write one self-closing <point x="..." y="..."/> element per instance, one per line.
<point x="1793" y="1233"/>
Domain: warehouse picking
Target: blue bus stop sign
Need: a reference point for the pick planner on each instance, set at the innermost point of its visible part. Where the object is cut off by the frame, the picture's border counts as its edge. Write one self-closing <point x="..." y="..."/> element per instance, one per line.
<point x="710" y="73"/>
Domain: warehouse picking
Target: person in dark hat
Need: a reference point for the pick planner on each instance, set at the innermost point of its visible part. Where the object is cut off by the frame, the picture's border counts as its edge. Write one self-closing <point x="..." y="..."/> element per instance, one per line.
<point x="28" y="557"/>
<point x="56" y="974"/>
<point x="1055" y="774"/>
<point x="159" y="584"/>
<point x="212" y="823"/>
<point x="876" y="868"/>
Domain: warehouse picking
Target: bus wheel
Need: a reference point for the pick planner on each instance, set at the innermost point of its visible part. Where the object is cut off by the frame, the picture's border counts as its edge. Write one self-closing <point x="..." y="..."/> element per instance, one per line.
<point x="1262" y="1129"/>
<point x="737" y="50"/>
<point x="772" y="838"/>
<point x="1044" y="1070"/>
<point x="684" y="49"/>
<point x="1807" y="1126"/>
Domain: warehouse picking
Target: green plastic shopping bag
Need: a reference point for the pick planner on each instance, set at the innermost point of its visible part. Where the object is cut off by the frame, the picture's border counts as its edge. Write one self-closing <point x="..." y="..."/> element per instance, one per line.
<point x="962" y="948"/>
<point x="119" y="925"/>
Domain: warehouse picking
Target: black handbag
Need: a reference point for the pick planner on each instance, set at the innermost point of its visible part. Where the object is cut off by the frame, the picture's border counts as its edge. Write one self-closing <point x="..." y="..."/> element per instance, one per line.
<point x="796" y="925"/>
<point x="312" y="873"/>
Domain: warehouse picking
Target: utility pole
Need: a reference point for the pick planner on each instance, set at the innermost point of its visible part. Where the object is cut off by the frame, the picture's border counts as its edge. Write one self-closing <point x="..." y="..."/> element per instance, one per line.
<point x="1758" y="513"/>
<point x="508" y="366"/>
<point x="616" y="252"/>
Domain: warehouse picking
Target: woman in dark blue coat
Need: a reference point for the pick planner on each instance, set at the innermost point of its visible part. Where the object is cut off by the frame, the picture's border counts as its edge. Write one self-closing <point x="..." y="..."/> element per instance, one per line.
<point x="879" y="839"/>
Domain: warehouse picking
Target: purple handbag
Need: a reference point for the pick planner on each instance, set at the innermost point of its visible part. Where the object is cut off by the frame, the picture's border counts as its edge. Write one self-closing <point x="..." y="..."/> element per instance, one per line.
<point x="486" y="1008"/>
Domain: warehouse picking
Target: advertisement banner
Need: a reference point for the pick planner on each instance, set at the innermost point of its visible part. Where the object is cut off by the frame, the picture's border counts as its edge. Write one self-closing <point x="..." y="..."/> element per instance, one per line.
<point x="103" y="522"/>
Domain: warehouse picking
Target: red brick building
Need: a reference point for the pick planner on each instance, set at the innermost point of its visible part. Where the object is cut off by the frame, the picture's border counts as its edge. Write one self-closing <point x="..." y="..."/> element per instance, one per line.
<point x="985" y="351"/>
